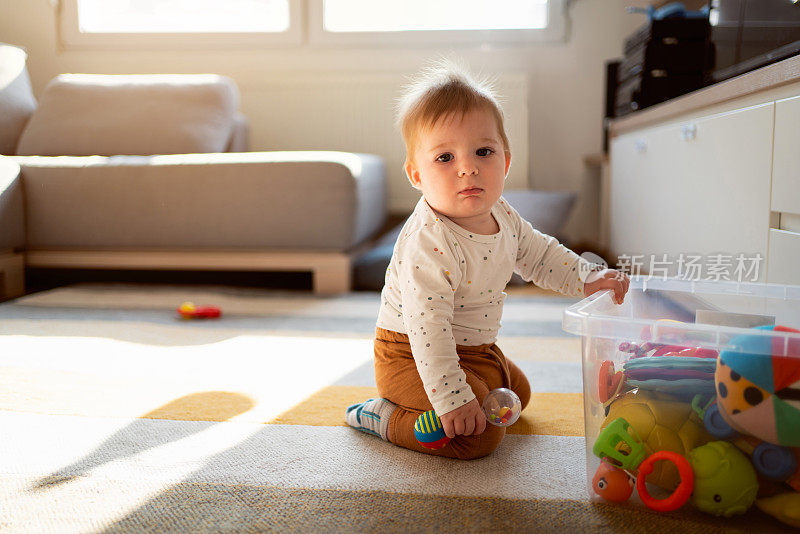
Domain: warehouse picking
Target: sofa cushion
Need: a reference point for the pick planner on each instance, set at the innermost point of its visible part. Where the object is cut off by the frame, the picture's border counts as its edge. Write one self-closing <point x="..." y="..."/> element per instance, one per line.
<point x="96" y="114"/>
<point x="251" y="200"/>
<point x="547" y="211"/>
<point x="16" y="97"/>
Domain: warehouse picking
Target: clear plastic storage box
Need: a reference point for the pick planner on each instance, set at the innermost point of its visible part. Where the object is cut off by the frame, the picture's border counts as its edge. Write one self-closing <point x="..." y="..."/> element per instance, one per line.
<point x="692" y="396"/>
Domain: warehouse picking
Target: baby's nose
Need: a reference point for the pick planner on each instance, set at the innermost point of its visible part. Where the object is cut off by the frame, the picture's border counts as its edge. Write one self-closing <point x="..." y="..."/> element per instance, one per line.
<point x="468" y="170"/>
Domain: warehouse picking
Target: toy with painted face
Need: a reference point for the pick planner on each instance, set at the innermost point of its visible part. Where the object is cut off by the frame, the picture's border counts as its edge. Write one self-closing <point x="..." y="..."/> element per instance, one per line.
<point x="725" y="482"/>
<point x="612" y="483"/>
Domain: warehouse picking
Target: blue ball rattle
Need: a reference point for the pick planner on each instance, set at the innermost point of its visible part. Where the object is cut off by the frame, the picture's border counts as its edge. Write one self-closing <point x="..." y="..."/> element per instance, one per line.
<point x="501" y="407"/>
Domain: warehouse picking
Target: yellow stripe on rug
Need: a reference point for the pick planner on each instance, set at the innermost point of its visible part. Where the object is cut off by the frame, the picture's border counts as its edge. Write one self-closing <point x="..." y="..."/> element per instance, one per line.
<point x="548" y="414"/>
<point x="63" y="393"/>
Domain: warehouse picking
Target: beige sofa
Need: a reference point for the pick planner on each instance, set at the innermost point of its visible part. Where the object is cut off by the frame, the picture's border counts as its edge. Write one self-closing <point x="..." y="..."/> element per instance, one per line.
<point x="183" y="194"/>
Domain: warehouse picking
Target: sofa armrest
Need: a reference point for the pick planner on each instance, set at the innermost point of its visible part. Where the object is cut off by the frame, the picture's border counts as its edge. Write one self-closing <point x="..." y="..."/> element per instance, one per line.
<point x="250" y="200"/>
<point x="12" y="218"/>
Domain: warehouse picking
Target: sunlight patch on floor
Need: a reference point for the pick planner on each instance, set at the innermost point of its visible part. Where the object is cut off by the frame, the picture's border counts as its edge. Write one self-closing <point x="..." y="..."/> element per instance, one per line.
<point x="111" y="378"/>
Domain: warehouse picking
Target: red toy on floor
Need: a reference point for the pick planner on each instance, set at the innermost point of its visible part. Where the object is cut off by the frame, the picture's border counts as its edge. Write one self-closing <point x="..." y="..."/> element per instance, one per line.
<point x="188" y="310"/>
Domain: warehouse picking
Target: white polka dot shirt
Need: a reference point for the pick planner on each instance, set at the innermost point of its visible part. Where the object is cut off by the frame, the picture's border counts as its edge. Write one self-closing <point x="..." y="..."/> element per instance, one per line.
<point x="445" y="287"/>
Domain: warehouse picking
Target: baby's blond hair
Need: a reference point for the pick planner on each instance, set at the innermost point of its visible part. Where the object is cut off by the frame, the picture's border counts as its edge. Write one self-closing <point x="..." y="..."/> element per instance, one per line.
<point x="440" y="91"/>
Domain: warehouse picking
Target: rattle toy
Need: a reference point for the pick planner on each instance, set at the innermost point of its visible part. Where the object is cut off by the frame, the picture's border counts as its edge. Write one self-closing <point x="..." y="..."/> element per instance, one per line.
<point x="188" y="310"/>
<point x="429" y="431"/>
<point x="501" y="407"/>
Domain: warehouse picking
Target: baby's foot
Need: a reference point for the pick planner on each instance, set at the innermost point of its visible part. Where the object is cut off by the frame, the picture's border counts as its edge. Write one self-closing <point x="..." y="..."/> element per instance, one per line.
<point x="371" y="416"/>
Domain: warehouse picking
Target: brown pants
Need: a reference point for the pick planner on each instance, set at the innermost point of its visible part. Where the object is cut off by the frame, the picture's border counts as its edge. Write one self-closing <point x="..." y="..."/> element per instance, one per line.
<point x="398" y="381"/>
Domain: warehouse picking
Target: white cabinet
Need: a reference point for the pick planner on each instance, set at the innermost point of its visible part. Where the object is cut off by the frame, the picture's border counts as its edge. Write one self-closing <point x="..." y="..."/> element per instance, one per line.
<point x="786" y="160"/>
<point x="784" y="257"/>
<point x="698" y="187"/>
<point x="783" y="261"/>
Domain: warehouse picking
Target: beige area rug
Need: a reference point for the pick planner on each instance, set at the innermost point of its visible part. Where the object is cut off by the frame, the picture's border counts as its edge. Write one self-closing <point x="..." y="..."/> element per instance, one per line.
<point x="116" y="416"/>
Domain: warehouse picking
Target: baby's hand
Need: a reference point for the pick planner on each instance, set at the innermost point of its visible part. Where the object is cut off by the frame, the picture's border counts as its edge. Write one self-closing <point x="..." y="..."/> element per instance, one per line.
<point x="469" y="420"/>
<point x="607" y="279"/>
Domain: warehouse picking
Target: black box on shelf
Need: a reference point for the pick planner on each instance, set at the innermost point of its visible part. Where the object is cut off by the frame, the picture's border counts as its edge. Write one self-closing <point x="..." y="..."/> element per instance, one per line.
<point x="669" y="31"/>
<point x="663" y="59"/>
<point x="688" y="57"/>
<point x="612" y="67"/>
<point x="643" y="91"/>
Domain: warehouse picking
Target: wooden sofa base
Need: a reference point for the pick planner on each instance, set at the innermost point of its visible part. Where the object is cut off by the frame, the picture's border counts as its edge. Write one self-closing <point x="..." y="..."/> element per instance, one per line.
<point x="12" y="274"/>
<point x="330" y="270"/>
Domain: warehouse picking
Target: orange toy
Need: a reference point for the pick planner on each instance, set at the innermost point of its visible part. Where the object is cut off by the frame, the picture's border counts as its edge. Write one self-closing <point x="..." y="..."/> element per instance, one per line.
<point x="612" y="483"/>
<point x="188" y="310"/>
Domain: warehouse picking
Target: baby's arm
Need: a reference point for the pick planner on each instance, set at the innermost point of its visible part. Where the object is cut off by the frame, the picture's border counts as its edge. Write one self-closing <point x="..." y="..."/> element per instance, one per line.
<point x="428" y="269"/>
<point x="541" y="259"/>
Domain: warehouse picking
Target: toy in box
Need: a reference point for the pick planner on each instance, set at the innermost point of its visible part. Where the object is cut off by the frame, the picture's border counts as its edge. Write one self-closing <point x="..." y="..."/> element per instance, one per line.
<point x="692" y="396"/>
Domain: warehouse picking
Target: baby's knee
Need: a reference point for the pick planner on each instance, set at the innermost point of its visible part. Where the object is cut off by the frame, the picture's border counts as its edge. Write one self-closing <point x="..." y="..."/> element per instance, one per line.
<point x="473" y="447"/>
<point x="523" y="391"/>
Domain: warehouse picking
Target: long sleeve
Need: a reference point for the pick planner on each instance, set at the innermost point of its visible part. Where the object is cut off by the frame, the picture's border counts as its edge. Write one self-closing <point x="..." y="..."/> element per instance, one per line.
<point x="429" y="272"/>
<point x="541" y="259"/>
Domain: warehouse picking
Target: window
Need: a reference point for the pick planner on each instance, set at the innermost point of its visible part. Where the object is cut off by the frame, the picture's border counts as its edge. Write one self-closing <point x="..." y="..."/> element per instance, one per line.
<point x="182" y="16"/>
<point x="414" y="22"/>
<point x="424" y="15"/>
<point x="180" y="23"/>
<point x="245" y="23"/>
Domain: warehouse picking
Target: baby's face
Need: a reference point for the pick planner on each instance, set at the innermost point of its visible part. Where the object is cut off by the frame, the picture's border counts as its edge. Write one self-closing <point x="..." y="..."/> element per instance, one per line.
<point x="460" y="167"/>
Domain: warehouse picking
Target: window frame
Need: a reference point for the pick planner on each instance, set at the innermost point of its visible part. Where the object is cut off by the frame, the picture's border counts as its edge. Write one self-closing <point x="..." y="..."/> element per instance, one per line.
<point x="556" y="31"/>
<point x="72" y="38"/>
<point x="305" y="29"/>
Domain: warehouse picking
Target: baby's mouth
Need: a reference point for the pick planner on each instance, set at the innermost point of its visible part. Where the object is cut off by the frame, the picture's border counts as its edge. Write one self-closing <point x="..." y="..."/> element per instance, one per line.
<point x="470" y="191"/>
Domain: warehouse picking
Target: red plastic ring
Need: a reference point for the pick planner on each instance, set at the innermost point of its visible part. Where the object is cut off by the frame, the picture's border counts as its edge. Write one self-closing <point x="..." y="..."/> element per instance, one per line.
<point x="681" y="493"/>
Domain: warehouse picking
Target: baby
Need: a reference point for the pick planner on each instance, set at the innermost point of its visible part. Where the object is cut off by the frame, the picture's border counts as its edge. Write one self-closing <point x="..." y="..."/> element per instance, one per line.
<point x="443" y="297"/>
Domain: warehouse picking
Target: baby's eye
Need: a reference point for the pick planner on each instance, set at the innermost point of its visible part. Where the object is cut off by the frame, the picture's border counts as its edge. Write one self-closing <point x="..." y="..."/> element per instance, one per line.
<point x="484" y="151"/>
<point x="444" y="158"/>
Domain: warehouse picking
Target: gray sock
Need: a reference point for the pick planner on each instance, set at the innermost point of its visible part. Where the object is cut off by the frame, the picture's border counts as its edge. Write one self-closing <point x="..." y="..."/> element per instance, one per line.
<point x="371" y="416"/>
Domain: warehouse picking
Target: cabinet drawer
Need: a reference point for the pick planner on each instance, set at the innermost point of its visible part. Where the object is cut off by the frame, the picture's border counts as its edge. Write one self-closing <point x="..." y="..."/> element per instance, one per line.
<point x="695" y="187"/>
<point x="783" y="261"/>
<point x="786" y="157"/>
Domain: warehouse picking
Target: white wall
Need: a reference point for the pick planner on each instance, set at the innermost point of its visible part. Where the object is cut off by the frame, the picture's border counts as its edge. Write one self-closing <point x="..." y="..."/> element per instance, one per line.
<point x="565" y="85"/>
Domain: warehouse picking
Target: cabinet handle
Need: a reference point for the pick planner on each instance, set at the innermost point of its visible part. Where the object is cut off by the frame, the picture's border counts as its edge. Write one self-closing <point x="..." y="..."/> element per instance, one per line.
<point x="688" y="132"/>
<point x="640" y="146"/>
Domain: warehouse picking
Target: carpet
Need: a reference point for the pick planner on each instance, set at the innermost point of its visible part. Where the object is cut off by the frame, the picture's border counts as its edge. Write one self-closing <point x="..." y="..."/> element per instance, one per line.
<point x="116" y="416"/>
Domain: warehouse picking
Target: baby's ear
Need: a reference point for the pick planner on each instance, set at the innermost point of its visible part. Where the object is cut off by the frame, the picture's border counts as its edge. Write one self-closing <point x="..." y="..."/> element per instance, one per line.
<point x="412" y="172"/>
<point x="508" y="161"/>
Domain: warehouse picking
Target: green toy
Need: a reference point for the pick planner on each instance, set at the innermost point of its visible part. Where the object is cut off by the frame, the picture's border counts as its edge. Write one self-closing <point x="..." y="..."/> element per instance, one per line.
<point x="619" y="443"/>
<point x="725" y="481"/>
